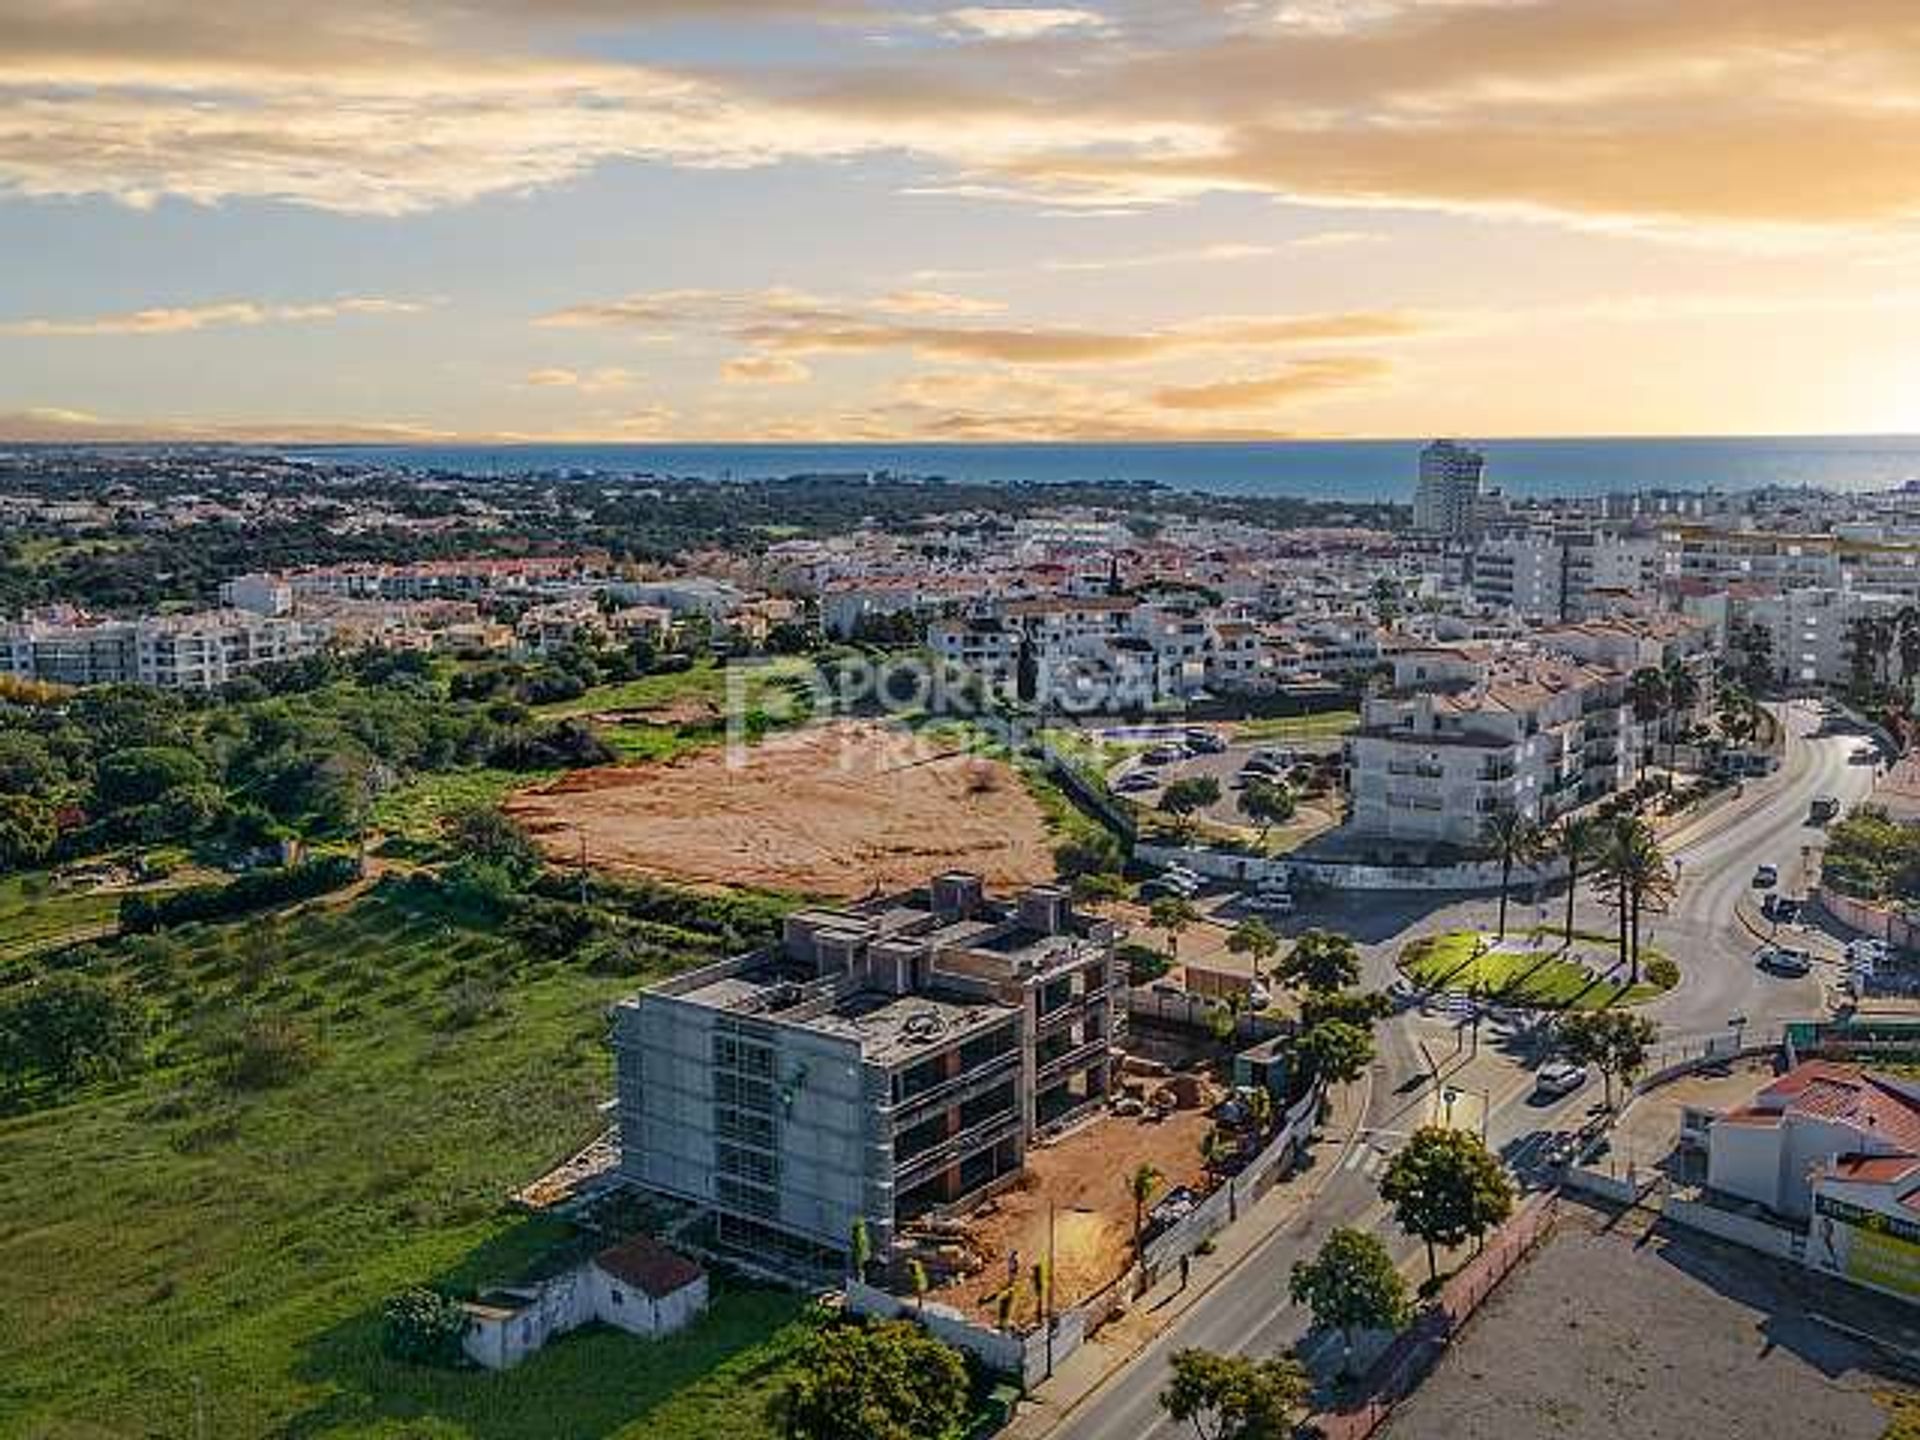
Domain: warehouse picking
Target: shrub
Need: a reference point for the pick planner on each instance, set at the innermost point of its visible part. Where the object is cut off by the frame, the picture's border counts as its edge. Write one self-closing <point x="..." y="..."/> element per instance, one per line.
<point x="423" y="1327"/>
<point x="1144" y="963"/>
<point x="142" y="914"/>
<point x="267" y="1051"/>
<point x="1662" y="972"/>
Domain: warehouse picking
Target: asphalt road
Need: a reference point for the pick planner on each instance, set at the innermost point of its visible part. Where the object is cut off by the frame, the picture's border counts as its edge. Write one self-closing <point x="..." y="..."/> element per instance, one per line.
<point x="1247" y="1311"/>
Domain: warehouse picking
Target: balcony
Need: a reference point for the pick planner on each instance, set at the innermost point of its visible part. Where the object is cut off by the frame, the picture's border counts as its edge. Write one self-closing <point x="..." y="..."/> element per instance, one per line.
<point x="1084" y="1053"/>
<point x="959" y="1087"/>
<point x="990" y="1131"/>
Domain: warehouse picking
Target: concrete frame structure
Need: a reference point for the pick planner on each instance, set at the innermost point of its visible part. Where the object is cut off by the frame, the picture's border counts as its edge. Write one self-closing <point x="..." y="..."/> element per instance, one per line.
<point x="883" y="1061"/>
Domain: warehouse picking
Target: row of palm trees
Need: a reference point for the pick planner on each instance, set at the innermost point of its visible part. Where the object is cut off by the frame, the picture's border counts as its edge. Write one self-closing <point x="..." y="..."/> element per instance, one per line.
<point x="1620" y="854"/>
<point x="1663" y="693"/>
<point x="1879" y="646"/>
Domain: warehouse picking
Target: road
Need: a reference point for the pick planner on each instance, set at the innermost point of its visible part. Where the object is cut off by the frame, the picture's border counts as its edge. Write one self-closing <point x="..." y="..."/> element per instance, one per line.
<point x="1247" y="1312"/>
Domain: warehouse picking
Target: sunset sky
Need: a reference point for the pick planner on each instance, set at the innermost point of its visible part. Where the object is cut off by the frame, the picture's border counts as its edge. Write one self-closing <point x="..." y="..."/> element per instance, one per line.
<point x="1125" y="219"/>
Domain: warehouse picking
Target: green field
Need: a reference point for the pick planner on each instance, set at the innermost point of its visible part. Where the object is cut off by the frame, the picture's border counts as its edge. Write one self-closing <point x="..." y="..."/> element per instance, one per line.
<point x="1550" y="977"/>
<point x="184" y="1257"/>
<point x="34" y="915"/>
<point x="414" y="810"/>
<point x="1326" y="726"/>
<point x="706" y="683"/>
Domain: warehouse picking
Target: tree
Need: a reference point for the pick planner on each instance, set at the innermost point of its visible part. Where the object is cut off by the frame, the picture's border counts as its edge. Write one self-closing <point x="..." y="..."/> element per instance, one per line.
<point x="1576" y="837"/>
<point x="1256" y="938"/>
<point x="1446" y="1187"/>
<point x="1321" y="963"/>
<point x="28" y="766"/>
<point x="1184" y="799"/>
<point x="1683" y="693"/>
<point x="27" y="831"/>
<point x="1230" y="1397"/>
<point x="1352" y="1284"/>
<point x="489" y="836"/>
<point x="1614" y="1042"/>
<point x="141" y="775"/>
<point x="1173" y="914"/>
<point x="883" y="1380"/>
<point x="1363" y="1008"/>
<point x="1634" y="875"/>
<point x="1141" y="1185"/>
<point x="69" y="1027"/>
<point x="1738" y="716"/>
<point x="1647" y="694"/>
<point x="1267" y="803"/>
<point x="1335" y="1051"/>
<point x="423" y="1327"/>
<point x="859" y="1247"/>
<point x="1515" y="838"/>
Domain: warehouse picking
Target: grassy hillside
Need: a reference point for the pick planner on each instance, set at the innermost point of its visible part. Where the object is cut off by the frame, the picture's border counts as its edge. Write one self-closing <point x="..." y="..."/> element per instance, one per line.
<point x="185" y="1255"/>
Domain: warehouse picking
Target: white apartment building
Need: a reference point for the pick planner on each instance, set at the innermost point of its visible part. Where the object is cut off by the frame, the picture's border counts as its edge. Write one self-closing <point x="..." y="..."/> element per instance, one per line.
<point x="1565" y="574"/>
<point x="1447" y="498"/>
<point x="1522" y="573"/>
<point x="1726" y="557"/>
<point x="174" y="652"/>
<point x="1464" y="733"/>
<point x="1809" y="628"/>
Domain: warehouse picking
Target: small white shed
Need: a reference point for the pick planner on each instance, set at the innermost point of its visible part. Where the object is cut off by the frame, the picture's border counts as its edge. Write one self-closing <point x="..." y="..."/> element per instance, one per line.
<point x="639" y="1286"/>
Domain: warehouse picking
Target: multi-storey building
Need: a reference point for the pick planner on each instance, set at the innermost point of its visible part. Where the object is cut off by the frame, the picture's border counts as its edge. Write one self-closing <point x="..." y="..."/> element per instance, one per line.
<point x="1447" y="499"/>
<point x="1809" y="630"/>
<point x="883" y="1061"/>
<point x="1464" y="733"/>
<point x="174" y="652"/>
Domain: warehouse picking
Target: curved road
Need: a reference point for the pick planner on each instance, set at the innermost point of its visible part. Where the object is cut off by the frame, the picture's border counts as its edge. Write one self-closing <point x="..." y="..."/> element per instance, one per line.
<point x="1246" y="1310"/>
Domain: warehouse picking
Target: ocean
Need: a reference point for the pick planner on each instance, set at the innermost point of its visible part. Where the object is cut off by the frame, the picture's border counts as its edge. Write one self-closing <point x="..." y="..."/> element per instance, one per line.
<point x="1316" y="469"/>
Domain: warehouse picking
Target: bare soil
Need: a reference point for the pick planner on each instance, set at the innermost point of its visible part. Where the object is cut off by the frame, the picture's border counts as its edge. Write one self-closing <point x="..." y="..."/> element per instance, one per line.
<point x="840" y="810"/>
<point x="1085" y="1177"/>
<point x="1607" y="1333"/>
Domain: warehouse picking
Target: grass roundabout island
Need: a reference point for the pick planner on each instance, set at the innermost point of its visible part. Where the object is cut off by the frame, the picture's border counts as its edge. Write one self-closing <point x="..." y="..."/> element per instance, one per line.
<point x="1536" y="968"/>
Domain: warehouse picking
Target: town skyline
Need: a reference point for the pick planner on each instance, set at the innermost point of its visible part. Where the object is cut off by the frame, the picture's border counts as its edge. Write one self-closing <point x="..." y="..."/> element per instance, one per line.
<point x="776" y="220"/>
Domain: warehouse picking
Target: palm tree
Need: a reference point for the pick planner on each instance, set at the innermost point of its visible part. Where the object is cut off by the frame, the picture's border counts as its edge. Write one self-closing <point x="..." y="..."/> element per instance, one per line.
<point x="1647" y="694"/>
<point x="1907" y="647"/>
<point x="1683" y="693"/>
<point x="1513" y="836"/>
<point x="1141" y="1185"/>
<point x="1254" y="937"/>
<point x="1633" y="871"/>
<point x="1577" y="837"/>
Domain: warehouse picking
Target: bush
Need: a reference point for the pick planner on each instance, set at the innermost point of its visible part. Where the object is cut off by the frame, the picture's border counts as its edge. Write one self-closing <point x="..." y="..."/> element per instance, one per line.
<point x="142" y="914"/>
<point x="1662" y="972"/>
<point x="423" y="1327"/>
<point x="267" y="1051"/>
<point x="1144" y="963"/>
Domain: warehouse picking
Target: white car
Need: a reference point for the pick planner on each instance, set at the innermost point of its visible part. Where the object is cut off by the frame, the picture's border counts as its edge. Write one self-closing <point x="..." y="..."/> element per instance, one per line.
<point x="1784" y="960"/>
<point x="1561" y="1077"/>
<point x="1280" y="904"/>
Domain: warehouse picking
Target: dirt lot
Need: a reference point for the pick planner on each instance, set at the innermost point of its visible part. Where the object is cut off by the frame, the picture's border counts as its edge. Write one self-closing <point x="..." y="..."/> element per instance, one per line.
<point x="1085" y="1176"/>
<point x="1598" y="1337"/>
<point x="834" y="810"/>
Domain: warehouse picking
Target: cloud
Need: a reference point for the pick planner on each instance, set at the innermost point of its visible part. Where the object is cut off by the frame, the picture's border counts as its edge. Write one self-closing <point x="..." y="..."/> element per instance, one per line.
<point x="610" y="377"/>
<point x="1739" y="112"/>
<point x="1258" y="392"/>
<point x="54" y="425"/>
<point x="1337" y="239"/>
<point x="1006" y="22"/>
<point x="763" y="370"/>
<point x="934" y="302"/>
<point x="787" y="323"/>
<point x="177" y="319"/>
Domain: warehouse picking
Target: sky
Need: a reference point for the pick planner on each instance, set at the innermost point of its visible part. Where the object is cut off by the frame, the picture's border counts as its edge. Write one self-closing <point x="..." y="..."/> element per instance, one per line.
<point x="730" y="220"/>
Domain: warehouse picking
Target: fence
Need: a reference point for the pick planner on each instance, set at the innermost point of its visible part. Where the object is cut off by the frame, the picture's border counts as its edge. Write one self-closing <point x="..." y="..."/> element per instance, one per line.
<point x="1473" y="876"/>
<point x="1001" y="1351"/>
<point x="1092" y="799"/>
<point x="1869" y="919"/>
<point x="1407" y="1361"/>
<point x="1183" y="1008"/>
<point x="1738" y="1229"/>
<point x="1223" y="1206"/>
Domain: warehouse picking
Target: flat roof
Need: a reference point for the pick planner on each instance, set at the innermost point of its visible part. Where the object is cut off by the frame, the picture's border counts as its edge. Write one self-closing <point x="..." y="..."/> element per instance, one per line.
<point x="892" y="1028"/>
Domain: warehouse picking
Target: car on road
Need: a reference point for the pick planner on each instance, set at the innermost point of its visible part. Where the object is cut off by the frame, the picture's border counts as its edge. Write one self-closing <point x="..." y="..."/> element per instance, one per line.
<point x="1784" y="960"/>
<point x="1865" y="755"/>
<point x="1765" y="877"/>
<point x="1560" y="1077"/>
<point x="1780" y="908"/>
<point x="1823" y="808"/>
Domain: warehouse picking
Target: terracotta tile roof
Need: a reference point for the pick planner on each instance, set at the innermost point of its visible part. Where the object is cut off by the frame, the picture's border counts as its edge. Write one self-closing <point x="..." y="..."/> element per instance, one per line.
<point x="1873" y="1169"/>
<point x="1847" y="1095"/>
<point x="646" y="1264"/>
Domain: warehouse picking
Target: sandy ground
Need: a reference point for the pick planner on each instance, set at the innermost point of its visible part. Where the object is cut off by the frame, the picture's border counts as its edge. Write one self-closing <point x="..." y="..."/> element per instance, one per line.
<point x="838" y="810"/>
<point x="1085" y="1177"/>
<point x="1599" y="1337"/>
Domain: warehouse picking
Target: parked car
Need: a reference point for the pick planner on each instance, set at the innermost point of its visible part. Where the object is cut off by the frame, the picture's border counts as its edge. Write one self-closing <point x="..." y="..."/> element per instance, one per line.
<point x="1272" y="904"/>
<point x="1785" y="960"/>
<point x="1262" y="769"/>
<point x="1205" y="742"/>
<point x="1165" y="754"/>
<point x="1561" y="1077"/>
<point x="1781" y="908"/>
<point x="1135" y="781"/>
<point x="1765" y="877"/>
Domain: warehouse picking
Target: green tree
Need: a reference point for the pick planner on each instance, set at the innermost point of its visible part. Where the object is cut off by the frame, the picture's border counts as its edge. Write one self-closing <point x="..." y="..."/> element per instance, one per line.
<point x="1267" y="803"/>
<point x="1614" y="1042"/>
<point x="141" y="775"/>
<point x="885" y="1380"/>
<point x="1184" y="799"/>
<point x="1352" y="1284"/>
<point x="27" y="831"/>
<point x="1446" y="1188"/>
<point x="1173" y="914"/>
<point x="70" y="1027"/>
<point x="1515" y="838"/>
<point x="1334" y="1051"/>
<point x="1633" y="874"/>
<point x="1576" y="837"/>
<point x="423" y="1327"/>
<point x="1254" y="937"/>
<point x="1231" y="1397"/>
<point x="1364" y="1008"/>
<point x="859" y="1248"/>
<point x="28" y="766"/>
<point x="1141" y="1187"/>
<point x="1321" y="963"/>
<point x="489" y="836"/>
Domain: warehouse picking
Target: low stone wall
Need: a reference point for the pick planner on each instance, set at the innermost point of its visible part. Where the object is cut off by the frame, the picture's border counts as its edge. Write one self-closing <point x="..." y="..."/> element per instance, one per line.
<point x="1001" y="1351"/>
<point x="1870" y="919"/>
<point x="1607" y="1187"/>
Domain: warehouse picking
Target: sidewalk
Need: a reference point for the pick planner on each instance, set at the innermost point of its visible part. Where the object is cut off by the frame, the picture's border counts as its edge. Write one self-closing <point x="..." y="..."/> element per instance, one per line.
<point x="1083" y="1373"/>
